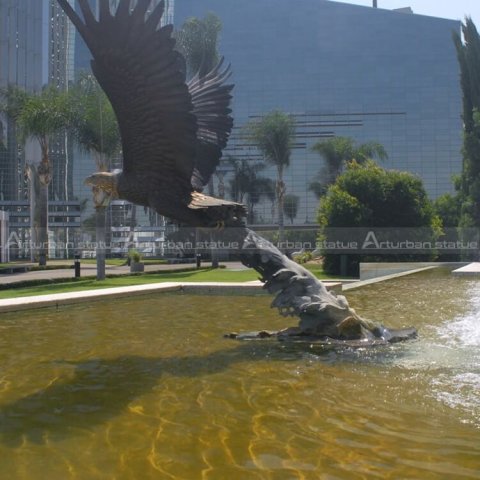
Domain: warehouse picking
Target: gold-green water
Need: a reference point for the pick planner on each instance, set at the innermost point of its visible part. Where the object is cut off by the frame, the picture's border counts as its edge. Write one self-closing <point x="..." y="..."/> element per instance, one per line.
<point x="147" y="388"/>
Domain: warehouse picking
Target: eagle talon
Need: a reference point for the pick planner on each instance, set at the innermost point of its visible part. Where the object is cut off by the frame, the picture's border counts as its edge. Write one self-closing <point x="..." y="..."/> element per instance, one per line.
<point x="220" y="225"/>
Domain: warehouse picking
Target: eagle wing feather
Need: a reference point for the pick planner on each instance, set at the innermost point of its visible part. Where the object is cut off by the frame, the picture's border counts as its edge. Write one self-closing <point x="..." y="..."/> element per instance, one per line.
<point x="144" y="77"/>
<point x="211" y="106"/>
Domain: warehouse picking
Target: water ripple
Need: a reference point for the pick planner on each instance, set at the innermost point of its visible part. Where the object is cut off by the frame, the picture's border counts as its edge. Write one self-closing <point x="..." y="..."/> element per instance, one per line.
<point x="143" y="395"/>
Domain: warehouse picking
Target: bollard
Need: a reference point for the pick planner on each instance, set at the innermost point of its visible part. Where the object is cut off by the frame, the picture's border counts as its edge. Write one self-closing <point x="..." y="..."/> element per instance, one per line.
<point x="77" y="266"/>
<point x="199" y="260"/>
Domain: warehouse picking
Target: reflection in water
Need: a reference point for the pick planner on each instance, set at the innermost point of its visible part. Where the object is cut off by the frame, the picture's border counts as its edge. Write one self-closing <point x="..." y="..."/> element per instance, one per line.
<point x="97" y="389"/>
<point x="148" y="388"/>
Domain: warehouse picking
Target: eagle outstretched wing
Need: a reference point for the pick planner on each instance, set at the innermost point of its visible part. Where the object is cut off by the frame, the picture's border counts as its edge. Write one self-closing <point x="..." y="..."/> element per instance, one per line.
<point x="211" y="101"/>
<point x="170" y="131"/>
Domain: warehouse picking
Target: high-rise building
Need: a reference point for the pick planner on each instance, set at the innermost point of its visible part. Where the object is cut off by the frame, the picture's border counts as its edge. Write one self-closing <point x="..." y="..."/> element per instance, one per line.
<point x="36" y="49"/>
<point x="342" y="70"/>
<point x="39" y="47"/>
<point x="21" y="43"/>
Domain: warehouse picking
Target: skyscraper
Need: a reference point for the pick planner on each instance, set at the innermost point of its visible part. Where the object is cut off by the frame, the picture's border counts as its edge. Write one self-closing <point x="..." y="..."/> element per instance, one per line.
<point x="36" y="49"/>
<point x="21" y="45"/>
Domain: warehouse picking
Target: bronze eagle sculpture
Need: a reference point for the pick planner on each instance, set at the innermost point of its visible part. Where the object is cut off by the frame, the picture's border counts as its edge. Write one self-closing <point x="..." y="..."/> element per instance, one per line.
<point x="173" y="133"/>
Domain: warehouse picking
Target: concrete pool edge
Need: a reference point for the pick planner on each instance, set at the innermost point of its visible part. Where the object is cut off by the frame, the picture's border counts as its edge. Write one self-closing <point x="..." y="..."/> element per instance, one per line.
<point x="245" y="288"/>
<point x="371" y="281"/>
<point x="83" y="296"/>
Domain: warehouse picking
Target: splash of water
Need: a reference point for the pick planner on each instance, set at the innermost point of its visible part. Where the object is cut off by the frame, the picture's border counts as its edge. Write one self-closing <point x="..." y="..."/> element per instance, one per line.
<point x="464" y="331"/>
<point x="459" y="387"/>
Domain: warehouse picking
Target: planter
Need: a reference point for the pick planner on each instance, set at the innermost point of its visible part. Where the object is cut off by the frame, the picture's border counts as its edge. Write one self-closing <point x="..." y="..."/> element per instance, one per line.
<point x="137" y="267"/>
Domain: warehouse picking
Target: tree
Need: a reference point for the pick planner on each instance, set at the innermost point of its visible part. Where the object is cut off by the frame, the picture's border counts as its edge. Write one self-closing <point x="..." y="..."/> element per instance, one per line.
<point x="267" y="187"/>
<point x="197" y="41"/>
<point x="468" y="53"/>
<point x="370" y="197"/>
<point x="263" y="187"/>
<point x="273" y="135"/>
<point x="447" y="207"/>
<point x="96" y="132"/>
<point x="290" y="206"/>
<point x="39" y="116"/>
<point x="244" y="174"/>
<point x="337" y="152"/>
<point x="247" y="186"/>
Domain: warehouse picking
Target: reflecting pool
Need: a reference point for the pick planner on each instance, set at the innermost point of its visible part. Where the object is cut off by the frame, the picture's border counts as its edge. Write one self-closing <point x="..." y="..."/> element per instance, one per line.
<point x="147" y="388"/>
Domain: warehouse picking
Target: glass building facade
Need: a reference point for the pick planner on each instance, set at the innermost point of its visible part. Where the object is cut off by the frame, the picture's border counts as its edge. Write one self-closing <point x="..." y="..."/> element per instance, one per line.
<point x="36" y="49"/>
<point x="342" y="70"/>
<point x="338" y="69"/>
<point x="39" y="46"/>
<point x="21" y="42"/>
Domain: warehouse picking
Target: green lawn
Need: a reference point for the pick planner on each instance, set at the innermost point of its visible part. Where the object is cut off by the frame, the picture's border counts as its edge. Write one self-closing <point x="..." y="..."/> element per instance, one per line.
<point x="204" y="275"/>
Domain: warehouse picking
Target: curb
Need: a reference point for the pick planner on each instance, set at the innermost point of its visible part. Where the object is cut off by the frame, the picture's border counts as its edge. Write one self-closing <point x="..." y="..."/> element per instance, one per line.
<point x="55" y="300"/>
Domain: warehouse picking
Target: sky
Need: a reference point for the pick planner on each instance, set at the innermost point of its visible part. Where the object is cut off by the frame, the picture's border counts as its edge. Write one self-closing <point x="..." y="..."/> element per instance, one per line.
<point x="452" y="9"/>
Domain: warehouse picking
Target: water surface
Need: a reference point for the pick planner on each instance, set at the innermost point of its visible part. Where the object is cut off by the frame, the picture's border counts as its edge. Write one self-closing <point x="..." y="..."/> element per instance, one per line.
<point x="147" y="388"/>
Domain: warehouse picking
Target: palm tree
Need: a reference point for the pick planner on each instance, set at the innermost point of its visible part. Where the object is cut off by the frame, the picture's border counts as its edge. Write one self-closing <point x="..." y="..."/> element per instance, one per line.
<point x="290" y="206"/>
<point x="244" y="174"/>
<point x="267" y="188"/>
<point x="247" y="186"/>
<point x="337" y="152"/>
<point x="273" y="136"/>
<point x="262" y="187"/>
<point x="96" y="132"/>
<point x="39" y="116"/>
<point x="197" y="40"/>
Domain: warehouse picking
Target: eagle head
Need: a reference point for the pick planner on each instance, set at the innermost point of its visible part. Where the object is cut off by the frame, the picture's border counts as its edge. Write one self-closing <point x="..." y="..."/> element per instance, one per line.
<point x="104" y="187"/>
